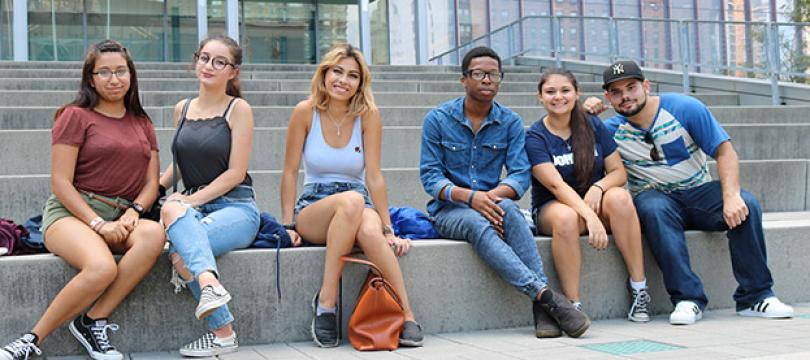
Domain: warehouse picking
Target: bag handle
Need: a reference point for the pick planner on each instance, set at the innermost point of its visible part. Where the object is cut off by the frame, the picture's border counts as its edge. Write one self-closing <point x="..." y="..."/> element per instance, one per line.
<point x="374" y="268"/>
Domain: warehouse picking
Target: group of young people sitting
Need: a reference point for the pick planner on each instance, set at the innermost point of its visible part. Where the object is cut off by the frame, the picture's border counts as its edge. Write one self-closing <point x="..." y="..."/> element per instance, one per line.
<point x="641" y="170"/>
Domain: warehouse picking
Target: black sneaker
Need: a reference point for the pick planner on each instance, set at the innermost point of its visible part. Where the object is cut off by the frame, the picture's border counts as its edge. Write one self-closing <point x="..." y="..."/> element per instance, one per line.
<point x="94" y="338"/>
<point x="639" y="308"/>
<point x="21" y="348"/>
<point x="324" y="328"/>
<point x="544" y="325"/>
<point x="411" y="334"/>
<point x="572" y="321"/>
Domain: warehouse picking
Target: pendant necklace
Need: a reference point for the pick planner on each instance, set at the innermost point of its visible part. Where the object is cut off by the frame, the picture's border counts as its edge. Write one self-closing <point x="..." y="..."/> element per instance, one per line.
<point x="338" y="125"/>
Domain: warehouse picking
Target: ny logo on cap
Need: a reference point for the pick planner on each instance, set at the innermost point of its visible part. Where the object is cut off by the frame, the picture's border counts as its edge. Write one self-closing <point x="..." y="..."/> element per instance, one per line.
<point x="618" y="69"/>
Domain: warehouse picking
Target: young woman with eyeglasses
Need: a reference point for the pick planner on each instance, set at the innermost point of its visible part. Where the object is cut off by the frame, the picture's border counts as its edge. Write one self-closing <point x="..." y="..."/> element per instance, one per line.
<point x="338" y="133"/>
<point x="216" y="213"/>
<point x="578" y="187"/>
<point x="104" y="173"/>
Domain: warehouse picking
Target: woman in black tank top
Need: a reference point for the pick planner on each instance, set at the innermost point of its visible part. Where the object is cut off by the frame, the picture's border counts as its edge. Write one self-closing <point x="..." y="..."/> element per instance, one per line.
<point x="217" y="212"/>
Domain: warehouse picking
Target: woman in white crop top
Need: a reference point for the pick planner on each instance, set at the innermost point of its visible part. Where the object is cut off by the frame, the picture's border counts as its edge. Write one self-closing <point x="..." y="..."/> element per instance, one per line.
<point x="337" y="132"/>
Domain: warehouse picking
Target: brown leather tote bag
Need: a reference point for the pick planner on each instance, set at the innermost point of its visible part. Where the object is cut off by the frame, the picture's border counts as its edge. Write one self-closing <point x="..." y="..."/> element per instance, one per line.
<point x="378" y="316"/>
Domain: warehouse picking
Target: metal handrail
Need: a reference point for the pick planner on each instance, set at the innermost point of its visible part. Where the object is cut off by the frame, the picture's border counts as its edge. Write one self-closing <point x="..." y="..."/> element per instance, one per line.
<point x="677" y="37"/>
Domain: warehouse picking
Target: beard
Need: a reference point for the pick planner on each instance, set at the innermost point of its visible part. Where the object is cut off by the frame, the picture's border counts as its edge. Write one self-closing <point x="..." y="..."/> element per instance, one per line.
<point x="634" y="111"/>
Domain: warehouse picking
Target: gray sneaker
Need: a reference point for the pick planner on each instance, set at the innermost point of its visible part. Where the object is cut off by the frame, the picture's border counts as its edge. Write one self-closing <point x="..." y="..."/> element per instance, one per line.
<point x="20" y="349"/>
<point x="639" y="309"/>
<point x="211" y="298"/>
<point x="411" y="334"/>
<point x="571" y="321"/>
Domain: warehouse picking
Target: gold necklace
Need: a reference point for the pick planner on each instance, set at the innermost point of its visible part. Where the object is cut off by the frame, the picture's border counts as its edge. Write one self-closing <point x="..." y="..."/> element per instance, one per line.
<point x="338" y="125"/>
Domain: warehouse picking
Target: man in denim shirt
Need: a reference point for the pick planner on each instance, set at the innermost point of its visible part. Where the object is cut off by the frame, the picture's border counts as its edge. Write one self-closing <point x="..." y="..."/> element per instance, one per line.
<point x="466" y="142"/>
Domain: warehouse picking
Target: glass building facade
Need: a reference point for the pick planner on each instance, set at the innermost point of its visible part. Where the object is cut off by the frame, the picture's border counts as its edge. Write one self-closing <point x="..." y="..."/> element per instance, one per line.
<point x="396" y="31"/>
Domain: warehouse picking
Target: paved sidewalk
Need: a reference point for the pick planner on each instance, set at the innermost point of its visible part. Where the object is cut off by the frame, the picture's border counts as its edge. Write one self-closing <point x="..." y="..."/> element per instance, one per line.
<point x="720" y="335"/>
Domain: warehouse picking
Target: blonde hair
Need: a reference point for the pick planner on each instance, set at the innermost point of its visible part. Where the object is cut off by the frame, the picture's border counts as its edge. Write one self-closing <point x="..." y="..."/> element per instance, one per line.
<point x="363" y="100"/>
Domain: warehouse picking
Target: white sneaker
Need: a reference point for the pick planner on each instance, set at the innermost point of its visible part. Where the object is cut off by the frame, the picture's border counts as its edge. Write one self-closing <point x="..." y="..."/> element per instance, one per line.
<point x="686" y="313"/>
<point x="770" y="308"/>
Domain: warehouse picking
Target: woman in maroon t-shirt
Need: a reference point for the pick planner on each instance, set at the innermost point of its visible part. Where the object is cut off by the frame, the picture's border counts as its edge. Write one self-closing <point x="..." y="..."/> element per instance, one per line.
<point x="105" y="171"/>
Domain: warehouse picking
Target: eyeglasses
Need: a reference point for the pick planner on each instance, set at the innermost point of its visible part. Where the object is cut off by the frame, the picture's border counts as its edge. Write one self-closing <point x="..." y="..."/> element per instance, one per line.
<point x="217" y="62"/>
<point x="478" y="75"/>
<point x="654" y="155"/>
<point x="106" y="74"/>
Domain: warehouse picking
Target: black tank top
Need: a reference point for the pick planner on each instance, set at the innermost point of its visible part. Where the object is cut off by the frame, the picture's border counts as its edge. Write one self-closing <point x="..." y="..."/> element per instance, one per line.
<point x="202" y="148"/>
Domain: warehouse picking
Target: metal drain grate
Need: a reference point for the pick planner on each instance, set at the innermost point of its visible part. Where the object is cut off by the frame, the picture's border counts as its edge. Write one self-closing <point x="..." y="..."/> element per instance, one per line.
<point x="632" y="347"/>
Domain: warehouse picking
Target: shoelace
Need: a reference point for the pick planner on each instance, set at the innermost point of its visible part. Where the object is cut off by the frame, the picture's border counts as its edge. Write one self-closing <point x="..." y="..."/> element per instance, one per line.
<point x="22" y="347"/>
<point x="99" y="331"/>
<point x="178" y="282"/>
<point x="640" y="303"/>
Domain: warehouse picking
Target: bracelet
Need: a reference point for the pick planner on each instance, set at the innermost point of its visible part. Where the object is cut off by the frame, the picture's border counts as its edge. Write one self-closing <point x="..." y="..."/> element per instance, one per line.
<point x="448" y="193"/>
<point x="470" y="200"/>
<point x="96" y="220"/>
<point x="99" y="226"/>
<point x="599" y="187"/>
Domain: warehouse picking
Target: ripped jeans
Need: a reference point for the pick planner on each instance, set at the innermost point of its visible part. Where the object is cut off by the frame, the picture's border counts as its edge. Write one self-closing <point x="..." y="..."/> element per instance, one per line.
<point x="224" y="224"/>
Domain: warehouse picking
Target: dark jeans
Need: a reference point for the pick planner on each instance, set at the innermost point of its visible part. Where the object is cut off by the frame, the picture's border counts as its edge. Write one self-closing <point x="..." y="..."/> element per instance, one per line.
<point x="665" y="216"/>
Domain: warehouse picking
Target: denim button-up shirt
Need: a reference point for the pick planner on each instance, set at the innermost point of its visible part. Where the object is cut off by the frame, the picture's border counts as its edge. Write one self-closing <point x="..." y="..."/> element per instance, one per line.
<point x="453" y="154"/>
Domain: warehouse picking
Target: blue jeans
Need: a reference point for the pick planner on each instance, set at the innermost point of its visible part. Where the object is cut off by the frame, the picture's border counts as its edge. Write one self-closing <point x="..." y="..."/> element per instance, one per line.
<point x="665" y="216"/>
<point x="515" y="257"/>
<point x="224" y="224"/>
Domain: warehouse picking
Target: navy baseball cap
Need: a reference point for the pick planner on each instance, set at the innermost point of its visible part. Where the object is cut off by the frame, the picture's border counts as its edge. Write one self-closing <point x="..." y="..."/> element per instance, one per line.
<point x="620" y="70"/>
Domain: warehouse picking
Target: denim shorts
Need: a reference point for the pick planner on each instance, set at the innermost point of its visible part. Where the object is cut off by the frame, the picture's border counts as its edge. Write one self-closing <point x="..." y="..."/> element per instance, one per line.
<point x="317" y="191"/>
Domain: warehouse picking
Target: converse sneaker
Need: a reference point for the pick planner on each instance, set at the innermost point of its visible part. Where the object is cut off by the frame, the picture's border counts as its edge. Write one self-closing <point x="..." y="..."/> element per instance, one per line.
<point x="94" y="338"/>
<point x="21" y="348"/>
<point x="639" y="308"/>
<point x="770" y="308"/>
<point x="211" y="298"/>
<point x="324" y="327"/>
<point x="544" y="325"/>
<point x="572" y="321"/>
<point x="686" y="313"/>
<point x="210" y="345"/>
<point x="411" y="334"/>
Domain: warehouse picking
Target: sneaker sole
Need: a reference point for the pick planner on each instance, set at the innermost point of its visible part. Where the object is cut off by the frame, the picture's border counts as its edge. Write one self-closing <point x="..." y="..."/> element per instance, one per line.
<point x="750" y="313"/>
<point x="202" y="313"/>
<point x="686" y="322"/>
<point x="410" y="343"/>
<point x="312" y="327"/>
<point x="638" y="319"/>
<point x="92" y="353"/>
<point x="219" y="351"/>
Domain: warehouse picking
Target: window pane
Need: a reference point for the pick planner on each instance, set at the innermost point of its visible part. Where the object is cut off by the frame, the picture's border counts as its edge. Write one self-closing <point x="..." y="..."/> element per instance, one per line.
<point x="6" y="49"/>
<point x="378" y="11"/>
<point x="275" y="32"/>
<point x="403" y="34"/>
<point x="55" y="30"/>
<point x="137" y="25"/>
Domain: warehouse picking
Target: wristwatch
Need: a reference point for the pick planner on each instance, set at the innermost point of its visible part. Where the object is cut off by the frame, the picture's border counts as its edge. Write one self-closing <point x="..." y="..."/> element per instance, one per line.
<point x="387" y="230"/>
<point x="290" y="226"/>
<point x="137" y="207"/>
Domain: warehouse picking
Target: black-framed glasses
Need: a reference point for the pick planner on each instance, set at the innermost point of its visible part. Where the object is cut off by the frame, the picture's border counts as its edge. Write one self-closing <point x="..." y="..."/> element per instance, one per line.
<point x="654" y="155"/>
<point x="107" y="74"/>
<point x="217" y="62"/>
<point x="479" y="75"/>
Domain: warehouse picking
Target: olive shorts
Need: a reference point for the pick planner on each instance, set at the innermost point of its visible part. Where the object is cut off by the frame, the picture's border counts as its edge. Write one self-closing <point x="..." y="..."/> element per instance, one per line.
<point x="54" y="210"/>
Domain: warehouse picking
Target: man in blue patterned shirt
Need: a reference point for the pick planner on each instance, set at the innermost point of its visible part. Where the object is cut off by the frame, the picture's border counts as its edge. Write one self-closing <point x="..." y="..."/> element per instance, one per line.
<point x="466" y="143"/>
<point x="664" y="142"/>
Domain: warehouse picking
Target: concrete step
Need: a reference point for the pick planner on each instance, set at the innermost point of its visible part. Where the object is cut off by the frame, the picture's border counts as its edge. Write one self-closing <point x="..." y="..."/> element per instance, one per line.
<point x="41" y="117"/>
<point x="290" y="98"/>
<point x="400" y="146"/>
<point x="70" y="65"/>
<point x="446" y="282"/>
<point x="270" y="75"/>
<point x="279" y="85"/>
<point x="780" y="185"/>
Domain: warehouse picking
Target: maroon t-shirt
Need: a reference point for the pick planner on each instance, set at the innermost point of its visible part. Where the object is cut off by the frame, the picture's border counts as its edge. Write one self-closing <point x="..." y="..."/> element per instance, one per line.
<point x="114" y="153"/>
